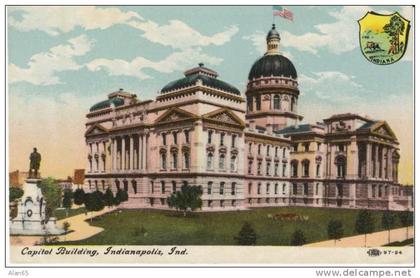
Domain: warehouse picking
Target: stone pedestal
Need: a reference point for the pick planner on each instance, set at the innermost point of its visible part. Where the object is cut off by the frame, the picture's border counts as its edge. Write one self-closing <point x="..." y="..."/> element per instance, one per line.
<point x="31" y="218"/>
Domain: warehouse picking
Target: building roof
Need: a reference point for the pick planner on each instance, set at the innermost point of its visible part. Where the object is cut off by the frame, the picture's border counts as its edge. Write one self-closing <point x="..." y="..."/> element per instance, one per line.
<point x="367" y="125"/>
<point x="207" y="76"/>
<point x="116" y="101"/>
<point x="272" y="65"/>
<point x="292" y="129"/>
<point x="273" y="33"/>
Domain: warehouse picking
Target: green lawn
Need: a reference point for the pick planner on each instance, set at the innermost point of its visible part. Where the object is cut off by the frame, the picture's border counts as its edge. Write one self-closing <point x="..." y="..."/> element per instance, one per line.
<point x="61" y="213"/>
<point x="151" y="227"/>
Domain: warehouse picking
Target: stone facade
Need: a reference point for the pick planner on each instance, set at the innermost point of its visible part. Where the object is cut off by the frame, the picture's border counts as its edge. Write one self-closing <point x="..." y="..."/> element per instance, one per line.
<point x="244" y="152"/>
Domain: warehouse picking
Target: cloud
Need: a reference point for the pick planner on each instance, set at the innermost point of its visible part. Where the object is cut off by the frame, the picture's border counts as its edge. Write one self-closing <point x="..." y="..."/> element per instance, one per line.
<point x="55" y="20"/>
<point x="179" y="35"/>
<point x="176" y="61"/>
<point x="332" y="86"/>
<point x="42" y="67"/>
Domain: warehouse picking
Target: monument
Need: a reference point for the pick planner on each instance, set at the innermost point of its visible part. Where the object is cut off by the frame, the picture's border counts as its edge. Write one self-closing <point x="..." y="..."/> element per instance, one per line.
<point x="31" y="218"/>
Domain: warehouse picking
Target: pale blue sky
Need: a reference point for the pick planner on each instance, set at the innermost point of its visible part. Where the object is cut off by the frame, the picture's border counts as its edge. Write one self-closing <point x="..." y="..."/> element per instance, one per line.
<point x="77" y="55"/>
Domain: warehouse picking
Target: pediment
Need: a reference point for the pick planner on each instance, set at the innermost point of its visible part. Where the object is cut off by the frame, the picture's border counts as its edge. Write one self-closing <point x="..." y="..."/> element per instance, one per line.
<point x="96" y="129"/>
<point x="224" y="116"/>
<point x="175" y="114"/>
<point x="382" y="128"/>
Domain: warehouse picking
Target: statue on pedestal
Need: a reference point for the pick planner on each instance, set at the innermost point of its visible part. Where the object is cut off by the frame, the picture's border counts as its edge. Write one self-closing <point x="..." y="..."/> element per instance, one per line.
<point x="35" y="159"/>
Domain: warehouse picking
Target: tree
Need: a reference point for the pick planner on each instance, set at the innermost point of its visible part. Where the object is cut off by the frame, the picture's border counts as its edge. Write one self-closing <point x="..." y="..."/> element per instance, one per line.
<point x="79" y="196"/>
<point x="335" y="230"/>
<point x="67" y="200"/>
<point x="298" y="238"/>
<point x="94" y="201"/>
<point x="120" y="196"/>
<point x="365" y="223"/>
<point x="109" y="198"/>
<point x="388" y="221"/>
<point x="246" y="235"/>
<point x="51" y="191"/>
<point x="15" y="193"/>
<point x="395" y="28"/>
<point x="406" y="219"/>
<point x="188" y="198"/>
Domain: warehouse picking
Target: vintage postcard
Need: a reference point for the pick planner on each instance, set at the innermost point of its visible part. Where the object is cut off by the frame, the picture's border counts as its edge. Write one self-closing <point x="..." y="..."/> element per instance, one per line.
<point x="210" y="135"/>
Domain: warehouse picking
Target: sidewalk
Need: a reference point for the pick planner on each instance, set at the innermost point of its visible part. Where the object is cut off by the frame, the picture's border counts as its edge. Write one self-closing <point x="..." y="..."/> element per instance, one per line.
<point x="78" y="223"/>
<point x="373" y="240"/>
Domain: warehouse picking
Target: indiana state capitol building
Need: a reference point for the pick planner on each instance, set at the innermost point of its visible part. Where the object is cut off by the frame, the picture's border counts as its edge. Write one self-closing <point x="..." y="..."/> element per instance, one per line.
<point x="244" y="152"/>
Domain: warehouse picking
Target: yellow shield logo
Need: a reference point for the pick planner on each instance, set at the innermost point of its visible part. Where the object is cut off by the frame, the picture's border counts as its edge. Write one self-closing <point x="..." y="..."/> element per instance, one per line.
<point x="383" y="38"/>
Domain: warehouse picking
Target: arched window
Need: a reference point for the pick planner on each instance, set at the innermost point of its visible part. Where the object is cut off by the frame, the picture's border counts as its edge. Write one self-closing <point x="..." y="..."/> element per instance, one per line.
<point x="174" y="160"/>
<point x="292" y="104"/>
<point x="258" y="103"/>
<point x="222" y="161"/>
<point x="233" y="189"/>
<point x="186" y="160"/>
<point x="134" y="185"/>
<point x="294" y="168"/>
<point x="163" y="161"/>
<point x="233" y="163"/>
<point x="210" y="161"/>
<point x="250" y="102"/>
<point x="250" y="164"/>
<point x="277" y="102"/>
<point x="284" y="188"/>
<point x="259" y="188"/>
<point x="340" y="162"/>
<point x="276" y="189"/>
<point x="209" y="187"/>
<point x="305" y="165"/>
<point x="222" y="188"/>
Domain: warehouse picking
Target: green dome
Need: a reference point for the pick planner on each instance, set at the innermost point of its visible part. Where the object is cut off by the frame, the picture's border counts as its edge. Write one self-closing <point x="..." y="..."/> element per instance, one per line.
<point x="107" y="103"/>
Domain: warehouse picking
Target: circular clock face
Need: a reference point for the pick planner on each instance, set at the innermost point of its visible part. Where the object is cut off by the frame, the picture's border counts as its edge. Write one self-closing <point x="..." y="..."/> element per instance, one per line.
<point x="29" y="213"/>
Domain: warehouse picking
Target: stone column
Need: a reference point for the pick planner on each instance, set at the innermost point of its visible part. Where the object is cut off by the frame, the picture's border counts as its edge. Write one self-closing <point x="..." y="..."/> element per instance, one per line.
<point x="368" y="159"/>
<point x="131" y="152"/>
<point x="100" y="164"/>
<point x="140" y="153"/>
<point x="114" y="154"/>
<point x="122" y="162"/>
<point x="146" y="154"/>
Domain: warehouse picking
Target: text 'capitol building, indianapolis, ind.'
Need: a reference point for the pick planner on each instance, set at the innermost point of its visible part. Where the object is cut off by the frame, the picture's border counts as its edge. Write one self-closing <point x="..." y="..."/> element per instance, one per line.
<point x="244" y="152"/>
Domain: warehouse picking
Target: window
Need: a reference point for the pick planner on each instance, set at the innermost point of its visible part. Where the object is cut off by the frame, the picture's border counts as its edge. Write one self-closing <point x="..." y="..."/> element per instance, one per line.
<point x="152" y="187"/>
<point x="259" y="189"/>
<point x="295" y="147"/>
<point x="210" y="161"/>
<point x="340" y="190"/>
<point x="222" y="139"/>
<point x="268" y="150"/>
<point x="133" y="184"/>
<point x="292" y="104"/>
<point x="163" y="161"/>
<point x="162" y="186"/>
<point x="250" y="164"/>
<point x="259" y="149"/>
<point x="318" y="170"/>
<point x="186" y="160"/>
<point x="258" y="102"/>
<point x="175" y="135"/>
<point x="306" y="147"/>
<point x="277" y="102"/>
<point x="267" y="189"/>
<point x="276" y="152"/>
<point x="305" y="165"/>
<point x="317" y="189"/>
<point x="233" y="163"/>
<point x="284" y="152"/>
<point x="249" y="188"/>
<point x="295" y="189"/>
<point x="233" y="189"/>
<point x="209" y="138"/>
<point x="222" y="188"/>
<point x="294" y="168"/>
<point x="209" y="187"/>
<point x="284" y="188"/>
<point x="268" y="168"/>
<point x="174" y="160"/>
<point x="222" y="161"/>
<point x="259" y="167"/>
<point x="276" y="189"/>
<point x="250" y="147"/>
<point x="284" y="169"/>
<point x="164" y="139"/>
<point x="233" y="141"/>
<point x="187" y="136"/>
<point x="318" y="146"/>
<point x="340" y="161"/>
<point x="173" y="186"/>
<point x="276" y="169"/>
<point x="305" y="189"/>
<point x="341" y="148"/>
<point x="250" y="103"/>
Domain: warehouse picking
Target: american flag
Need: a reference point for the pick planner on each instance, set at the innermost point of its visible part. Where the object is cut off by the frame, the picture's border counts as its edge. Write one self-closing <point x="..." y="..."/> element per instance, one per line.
<point x="283" y="12"/>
